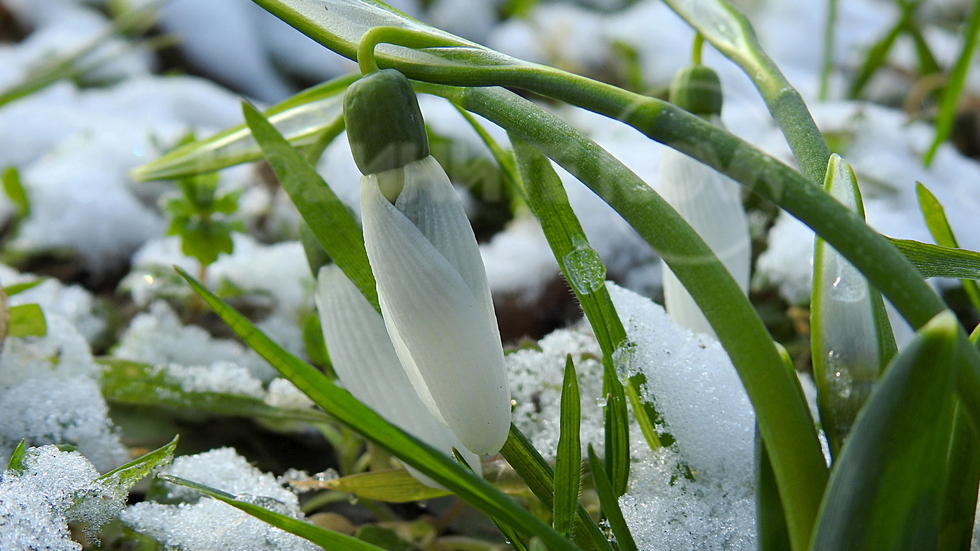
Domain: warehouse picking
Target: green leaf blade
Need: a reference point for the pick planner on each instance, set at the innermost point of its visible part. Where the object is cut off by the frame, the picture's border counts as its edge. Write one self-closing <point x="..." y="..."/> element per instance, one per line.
<point x="885" y="490"/>
<point x="16" y="461"/>
<point x="131" y="383"/>
<point x="936" y="221"/>
<point x="568" y="459"/>
<point x="610" y="504"/>
<point x="123" y="478"/>
<point x="328" y="539"/>
<point x="938" y="261"/>
<point x="330" y="221"/>
<point x="27" y="320"/>
<point x="302" y="119"/>
<point x="586" y="274"/>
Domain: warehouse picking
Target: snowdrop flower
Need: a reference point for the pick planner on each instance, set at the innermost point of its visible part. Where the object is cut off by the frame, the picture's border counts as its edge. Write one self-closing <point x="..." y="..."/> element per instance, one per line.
<point x="432" y="285"/>
<point x="366" y="363"/>
<point x="709" y="201"/>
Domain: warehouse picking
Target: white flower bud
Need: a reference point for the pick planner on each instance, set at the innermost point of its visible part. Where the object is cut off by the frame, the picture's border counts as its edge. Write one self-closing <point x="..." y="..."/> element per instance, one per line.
<point x="433" y="291"/>
<point x="366" y="363"/>
<point x="712" y="204"/>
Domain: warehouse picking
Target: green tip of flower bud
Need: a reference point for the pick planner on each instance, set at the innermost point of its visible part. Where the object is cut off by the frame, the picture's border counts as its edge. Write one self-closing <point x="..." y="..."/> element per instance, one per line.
<point x="697" y="89"/>
<point x="384" y="123"/>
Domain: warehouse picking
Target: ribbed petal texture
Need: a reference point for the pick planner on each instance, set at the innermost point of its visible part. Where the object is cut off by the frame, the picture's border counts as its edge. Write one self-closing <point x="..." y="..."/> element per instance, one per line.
<point x="433" y="291"/>
<point x="711" y="203"/>
<point x="367" y="365"/>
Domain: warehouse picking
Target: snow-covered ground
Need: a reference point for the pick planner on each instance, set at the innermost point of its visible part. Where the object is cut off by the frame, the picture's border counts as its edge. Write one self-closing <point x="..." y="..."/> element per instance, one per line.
<point x="75" y="144"/>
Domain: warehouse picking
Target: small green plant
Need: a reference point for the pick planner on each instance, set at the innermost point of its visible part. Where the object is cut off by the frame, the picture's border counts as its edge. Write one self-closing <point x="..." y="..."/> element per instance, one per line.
<point x="202" y="218"/>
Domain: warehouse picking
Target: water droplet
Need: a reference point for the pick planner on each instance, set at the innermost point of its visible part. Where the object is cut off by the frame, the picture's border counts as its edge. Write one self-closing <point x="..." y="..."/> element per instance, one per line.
<point x="584" y="269"/>
<point x="623" y="358"/>
<point x="601" y="402"/>
<point x="268" y="503"/>
<point x="847" y="283"/>
<point x="839" y="375"/>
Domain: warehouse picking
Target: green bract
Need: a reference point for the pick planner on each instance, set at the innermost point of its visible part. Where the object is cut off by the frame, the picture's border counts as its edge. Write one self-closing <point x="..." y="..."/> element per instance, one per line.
<point x="697" y="89"/>
<point x="384" y="123"/>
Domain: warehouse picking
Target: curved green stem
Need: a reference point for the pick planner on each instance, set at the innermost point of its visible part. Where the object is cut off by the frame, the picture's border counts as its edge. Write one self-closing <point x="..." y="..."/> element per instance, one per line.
<point x="400" y="36"/>
<point x="696" y="49"/>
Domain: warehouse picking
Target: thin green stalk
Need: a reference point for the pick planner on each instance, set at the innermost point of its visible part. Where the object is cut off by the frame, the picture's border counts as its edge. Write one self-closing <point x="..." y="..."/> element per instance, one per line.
<point x="827" y="67"/>
<point x="957" y="79"/>
<point x="696" y="49"/>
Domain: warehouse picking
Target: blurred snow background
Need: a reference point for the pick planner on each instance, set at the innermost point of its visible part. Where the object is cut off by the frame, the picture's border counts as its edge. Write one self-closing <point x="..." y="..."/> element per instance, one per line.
<point x="74" y="144"/>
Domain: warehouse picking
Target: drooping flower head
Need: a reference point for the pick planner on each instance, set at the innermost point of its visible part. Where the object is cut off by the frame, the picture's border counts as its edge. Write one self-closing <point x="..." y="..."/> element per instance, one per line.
<point x="432" y="285"/>
<point x="366" y="364"/>
<point x="709" y="201"/>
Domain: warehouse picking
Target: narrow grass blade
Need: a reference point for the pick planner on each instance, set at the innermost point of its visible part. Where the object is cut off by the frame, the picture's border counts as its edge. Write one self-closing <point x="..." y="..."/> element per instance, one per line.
<point x="770" y="518"/>
<point x="885" y="491"/>
<point x="393" y="486"/>
<point x="123" y="478"/>
<point x="327" y="539"/>
<point x="69" y="65"/>
<point x="568" y="460"/>
<point x="957" y="80"/>
<point x="875" y="58"/>
<point x="345" y="408"/>
<point x="12" y="290"/>
<point x="846" y="332"/>
<point x="27" y="320"/>
<point x="938" y="224"/>
<point x="505" y="159"/>
<point x="132" y="383"/>
<point x="539" y="477"/>
<point x="610" y="504"/>
<point x="585" y="272"/>
<point x="14" y="190"/>
<point x="827" y="63"/>
<point x="938" y="261"/>
<point x="960" y="497"/>
<point x="328" y="217"/>
<point x="303" y="119"/>
<point x="16" y="461"/>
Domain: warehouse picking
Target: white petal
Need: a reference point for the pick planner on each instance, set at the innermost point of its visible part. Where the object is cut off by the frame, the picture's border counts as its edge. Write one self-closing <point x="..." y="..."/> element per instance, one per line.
<point x="711" y="203"/>
<point x="430" y="202"/>
<point x="366" y="363"/>
<point x="444" y="333"/>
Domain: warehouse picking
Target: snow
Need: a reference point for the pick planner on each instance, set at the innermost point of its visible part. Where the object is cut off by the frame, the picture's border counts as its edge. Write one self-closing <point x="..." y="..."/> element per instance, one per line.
<point x="158" y="337"/>
<point x="695" y="388"/>
<point x="74" y="161"/>
<point x="535" y="378"/>
<point x="50" y="394"/>
<point x="697" y="392"/>
<point x="54" y="488"/>
<point x="72" y="302"/>
<point x="272" y="277"/>
<point x="199" y="523"/>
